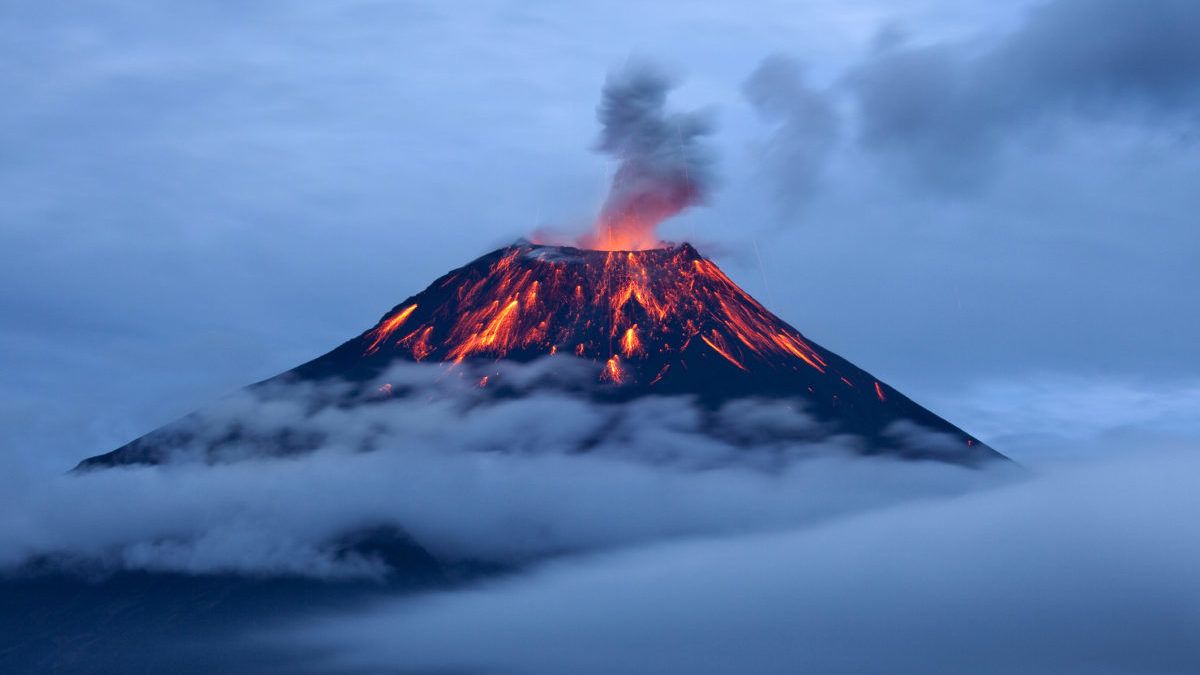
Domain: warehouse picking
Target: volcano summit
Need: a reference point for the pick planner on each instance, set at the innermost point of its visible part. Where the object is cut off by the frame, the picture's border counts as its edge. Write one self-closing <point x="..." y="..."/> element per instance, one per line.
<point x="662" y="322"/>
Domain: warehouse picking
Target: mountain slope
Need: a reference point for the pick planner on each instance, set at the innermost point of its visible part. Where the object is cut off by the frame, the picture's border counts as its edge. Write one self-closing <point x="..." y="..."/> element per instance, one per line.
<point x="658" y="322"/>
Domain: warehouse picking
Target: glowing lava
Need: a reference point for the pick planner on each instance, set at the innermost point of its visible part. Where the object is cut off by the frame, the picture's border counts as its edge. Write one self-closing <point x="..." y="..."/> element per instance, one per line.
<point x="612" y="370"/>
<point x="627" y="310"/>
<point x="630" y="345"/>
<point x="385" y="329"/>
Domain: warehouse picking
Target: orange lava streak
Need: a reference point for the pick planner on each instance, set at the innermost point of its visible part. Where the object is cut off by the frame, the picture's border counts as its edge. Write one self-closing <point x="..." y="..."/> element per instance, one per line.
<point x="496" y="335"/>
<point x="630" y="344"/>
<point x="497" y="329"/>
<point x="712" y="343"/>
<point x="612" y="370"/>
<point x="879" y="392"/>
<point x="659" y="376"/>
<point x="633" y="291"/>
<point x="752" y="324"/>
<point x="420" y="347"/>
<point x="388" y="327"/>
<point x="800" y="349"/>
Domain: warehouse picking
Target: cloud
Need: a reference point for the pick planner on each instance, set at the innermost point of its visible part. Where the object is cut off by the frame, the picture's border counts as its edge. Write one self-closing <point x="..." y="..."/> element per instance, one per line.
<point x="1055" y="417"/>
<point x="528" y="473"/>
<point x="944" y="110"/>
<point x="806" y="127"/>
<point x="1088" y="570"/>
<point x="941" y="113"/>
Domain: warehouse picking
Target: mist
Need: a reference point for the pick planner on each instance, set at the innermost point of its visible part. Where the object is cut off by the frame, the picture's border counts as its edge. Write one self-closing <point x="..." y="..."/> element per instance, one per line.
<point x="1093" y="568"/>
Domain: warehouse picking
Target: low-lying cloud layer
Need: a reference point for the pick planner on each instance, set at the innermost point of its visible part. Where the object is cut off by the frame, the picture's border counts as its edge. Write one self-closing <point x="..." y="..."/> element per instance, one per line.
<point x="500" y="479"/>
<point x="663" y="547"/>
<point x="1095" y="569"/>
<point x="1056" y="418"/>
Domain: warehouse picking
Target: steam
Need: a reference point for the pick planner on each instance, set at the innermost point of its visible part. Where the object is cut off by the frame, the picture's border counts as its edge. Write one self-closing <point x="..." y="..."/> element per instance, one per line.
<point x="663" y="164"/>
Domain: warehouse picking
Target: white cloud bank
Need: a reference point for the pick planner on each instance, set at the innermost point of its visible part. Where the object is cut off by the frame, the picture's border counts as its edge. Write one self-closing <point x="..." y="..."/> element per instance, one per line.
<point x="1093" y="569"/>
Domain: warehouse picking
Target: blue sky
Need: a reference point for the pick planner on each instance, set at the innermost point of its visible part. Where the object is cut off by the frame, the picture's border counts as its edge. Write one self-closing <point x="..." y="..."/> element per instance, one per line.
<point x="197" y="196"/>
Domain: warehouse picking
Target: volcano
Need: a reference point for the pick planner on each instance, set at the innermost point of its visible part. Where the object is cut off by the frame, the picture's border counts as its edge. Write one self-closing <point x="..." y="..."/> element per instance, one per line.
<point x="656" y="322"/>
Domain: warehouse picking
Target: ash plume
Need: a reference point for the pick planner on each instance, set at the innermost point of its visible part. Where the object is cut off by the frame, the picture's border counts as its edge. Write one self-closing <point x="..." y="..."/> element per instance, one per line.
<point x="663" y="163"/>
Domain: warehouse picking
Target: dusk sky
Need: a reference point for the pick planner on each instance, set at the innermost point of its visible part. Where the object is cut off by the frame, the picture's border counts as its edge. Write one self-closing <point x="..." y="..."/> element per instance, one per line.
<point x="990" y="206"/>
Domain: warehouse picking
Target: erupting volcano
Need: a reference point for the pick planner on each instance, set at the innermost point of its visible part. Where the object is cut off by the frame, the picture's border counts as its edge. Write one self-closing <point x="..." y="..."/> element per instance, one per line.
<point x="641" y="313"/>
<point x="655" y="322"/>
<point x="653" y="319"/>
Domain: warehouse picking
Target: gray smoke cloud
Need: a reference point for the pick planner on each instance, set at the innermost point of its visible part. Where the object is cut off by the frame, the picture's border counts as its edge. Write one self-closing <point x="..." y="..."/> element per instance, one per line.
<point x="944" y="111"/>
<point x="806" y="127"/>
<point x="941" y="114"/>
<point x="663" y="164"/>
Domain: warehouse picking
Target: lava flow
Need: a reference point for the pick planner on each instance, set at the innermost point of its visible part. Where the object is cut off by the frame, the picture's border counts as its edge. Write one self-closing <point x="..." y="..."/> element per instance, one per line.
<point x="624" y="309"/>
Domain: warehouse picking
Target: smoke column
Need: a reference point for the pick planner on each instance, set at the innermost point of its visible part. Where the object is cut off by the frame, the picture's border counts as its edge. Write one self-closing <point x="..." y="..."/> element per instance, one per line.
<point x="663" y="166"/>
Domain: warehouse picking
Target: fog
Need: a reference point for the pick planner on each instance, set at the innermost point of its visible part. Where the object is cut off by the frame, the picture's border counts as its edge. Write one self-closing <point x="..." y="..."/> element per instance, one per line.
<point x="663" y="548"/>
<point x="1089" y="569"/>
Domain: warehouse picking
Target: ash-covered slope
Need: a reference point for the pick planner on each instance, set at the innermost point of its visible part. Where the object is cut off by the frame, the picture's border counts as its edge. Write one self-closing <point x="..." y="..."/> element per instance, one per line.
<point x="658" y="322"/>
